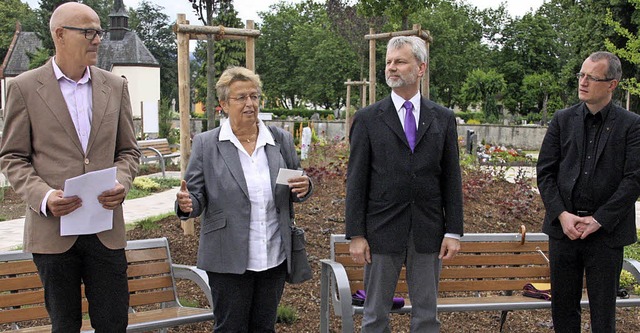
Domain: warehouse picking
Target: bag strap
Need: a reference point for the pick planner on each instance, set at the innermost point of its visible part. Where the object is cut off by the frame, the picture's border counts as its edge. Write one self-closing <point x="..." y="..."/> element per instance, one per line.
<point x="278" y="137"/>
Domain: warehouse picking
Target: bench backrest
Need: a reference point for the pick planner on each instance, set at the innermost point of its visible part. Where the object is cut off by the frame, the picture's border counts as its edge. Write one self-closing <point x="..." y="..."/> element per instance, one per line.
<point x="486" y="262"/>
<point x="162" y="145"/>
<point x="150" y="274"/>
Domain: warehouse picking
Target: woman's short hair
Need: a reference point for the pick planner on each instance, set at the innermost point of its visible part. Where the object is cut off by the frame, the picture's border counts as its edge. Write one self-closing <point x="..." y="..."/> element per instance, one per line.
<point x="418" y="46"/>
<point x="233" y="74"/>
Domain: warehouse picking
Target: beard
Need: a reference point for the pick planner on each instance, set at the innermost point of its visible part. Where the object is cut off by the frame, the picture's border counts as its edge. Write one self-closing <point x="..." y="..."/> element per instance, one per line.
<point x="403" y="79"/>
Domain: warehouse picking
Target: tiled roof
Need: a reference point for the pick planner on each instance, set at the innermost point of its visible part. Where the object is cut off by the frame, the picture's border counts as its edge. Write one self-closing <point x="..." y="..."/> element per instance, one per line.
<point x="128" y="51"/>
<point x="18" y="62"/>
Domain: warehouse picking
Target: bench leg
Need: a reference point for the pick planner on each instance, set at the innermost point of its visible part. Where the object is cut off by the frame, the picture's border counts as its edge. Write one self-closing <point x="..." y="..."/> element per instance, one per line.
<point x="324" y="299"/>
<point x="503" y="319"/>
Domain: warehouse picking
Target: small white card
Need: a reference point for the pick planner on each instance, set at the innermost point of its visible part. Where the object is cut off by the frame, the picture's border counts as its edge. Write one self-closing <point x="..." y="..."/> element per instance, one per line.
<point x="285" y="174"/>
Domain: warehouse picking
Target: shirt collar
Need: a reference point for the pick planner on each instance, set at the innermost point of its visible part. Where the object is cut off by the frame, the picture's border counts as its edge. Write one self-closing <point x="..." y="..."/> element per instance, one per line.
<point x="603" y="113"/>
<point x="264" y="135"/>
<point x="59" y="74"/>
<point x="398" y="101"/>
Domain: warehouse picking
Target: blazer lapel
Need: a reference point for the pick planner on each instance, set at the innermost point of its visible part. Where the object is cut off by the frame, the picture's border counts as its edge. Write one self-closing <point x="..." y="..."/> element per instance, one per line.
<point x="273" y="157"/>
<point x="229" y="154"/>
<point x="52" y="97"/>
<point x="427" y="115"/>
<point x="578" y="131"/>
<point x="389" y="116"/>
<point x="101" y="93"/>
<point x="606" y="130"/>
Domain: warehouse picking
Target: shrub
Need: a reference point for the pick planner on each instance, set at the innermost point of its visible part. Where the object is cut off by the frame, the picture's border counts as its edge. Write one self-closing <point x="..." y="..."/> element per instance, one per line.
<point x="146" y="184"/>
<point x="287" y="315"/>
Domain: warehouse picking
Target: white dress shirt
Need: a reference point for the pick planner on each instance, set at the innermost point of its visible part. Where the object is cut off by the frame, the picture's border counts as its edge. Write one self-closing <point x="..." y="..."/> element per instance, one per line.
<point x="265" y="245"/>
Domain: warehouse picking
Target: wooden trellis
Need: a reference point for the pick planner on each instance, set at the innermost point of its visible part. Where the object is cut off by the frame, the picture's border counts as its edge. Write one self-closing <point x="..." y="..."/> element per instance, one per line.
<point x="363" y="97"/>
<point x="185" y="33"/>
<point x="372" y="37"/>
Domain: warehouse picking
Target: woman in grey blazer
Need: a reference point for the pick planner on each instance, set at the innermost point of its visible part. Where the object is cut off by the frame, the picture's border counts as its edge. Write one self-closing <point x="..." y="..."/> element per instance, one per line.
<point x="245" y="238"/>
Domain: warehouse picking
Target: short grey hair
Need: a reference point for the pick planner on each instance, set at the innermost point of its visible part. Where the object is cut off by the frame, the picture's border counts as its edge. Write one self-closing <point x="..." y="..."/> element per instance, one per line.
<point x="418" y="46"/>
<point x="234" y="74"/>
<point x="614" y="70"/>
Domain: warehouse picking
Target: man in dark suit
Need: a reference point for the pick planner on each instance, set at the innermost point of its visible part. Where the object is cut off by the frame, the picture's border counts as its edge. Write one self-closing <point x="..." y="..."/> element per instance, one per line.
<point x="589" y="180"/>
<point x="63" y="120"/>
<point x="404" y="191"/>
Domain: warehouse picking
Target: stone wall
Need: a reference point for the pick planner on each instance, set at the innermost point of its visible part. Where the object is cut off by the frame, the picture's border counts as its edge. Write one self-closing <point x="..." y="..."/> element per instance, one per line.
<point x="523" y="137"/>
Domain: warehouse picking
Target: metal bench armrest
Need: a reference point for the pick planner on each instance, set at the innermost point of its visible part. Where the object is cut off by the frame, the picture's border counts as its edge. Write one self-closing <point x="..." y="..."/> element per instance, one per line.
<point x="196" y="275"/>
<point x="632" y="266"/>
<point x="335" y="285"/>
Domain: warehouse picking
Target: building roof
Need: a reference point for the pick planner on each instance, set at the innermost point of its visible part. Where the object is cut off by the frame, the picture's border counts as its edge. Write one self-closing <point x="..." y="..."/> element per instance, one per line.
<point x="130" y="51"/>
<point x="18" y="60"/>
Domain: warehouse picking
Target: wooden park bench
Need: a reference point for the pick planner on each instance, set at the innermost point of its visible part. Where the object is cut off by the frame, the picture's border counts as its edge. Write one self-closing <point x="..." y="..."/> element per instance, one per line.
<point x="158" y="150"/>
<point x="488" y="274"/>
<point x="153" y="301"/>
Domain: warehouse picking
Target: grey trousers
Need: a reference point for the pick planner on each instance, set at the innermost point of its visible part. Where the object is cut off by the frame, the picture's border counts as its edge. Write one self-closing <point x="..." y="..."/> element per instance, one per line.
<point x="380" y="279"/>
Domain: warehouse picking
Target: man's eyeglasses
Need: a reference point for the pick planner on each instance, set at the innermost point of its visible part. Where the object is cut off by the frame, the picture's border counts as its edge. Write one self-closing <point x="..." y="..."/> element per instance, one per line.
<point x="242" y="98"/>
<point x="89" y="34"/>
<point x="579" y="76"/>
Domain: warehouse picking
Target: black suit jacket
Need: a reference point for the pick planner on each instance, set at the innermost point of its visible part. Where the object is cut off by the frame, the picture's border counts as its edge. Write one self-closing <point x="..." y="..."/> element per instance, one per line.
<point x="616" y="178"/>
<point x="391" y="190"/>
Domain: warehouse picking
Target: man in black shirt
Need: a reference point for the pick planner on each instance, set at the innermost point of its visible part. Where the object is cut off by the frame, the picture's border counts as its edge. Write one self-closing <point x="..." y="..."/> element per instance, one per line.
<point x="589" y="180"/>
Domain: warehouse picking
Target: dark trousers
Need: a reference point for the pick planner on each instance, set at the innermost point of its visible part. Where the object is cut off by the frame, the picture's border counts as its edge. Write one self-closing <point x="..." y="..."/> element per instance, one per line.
<point x="104" y="274"/>
<point x="601" y="265"/>
<point x="247" y="302"/>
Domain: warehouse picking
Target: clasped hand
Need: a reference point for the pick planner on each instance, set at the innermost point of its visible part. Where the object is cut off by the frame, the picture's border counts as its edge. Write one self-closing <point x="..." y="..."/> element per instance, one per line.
<point x="576" y="227"/>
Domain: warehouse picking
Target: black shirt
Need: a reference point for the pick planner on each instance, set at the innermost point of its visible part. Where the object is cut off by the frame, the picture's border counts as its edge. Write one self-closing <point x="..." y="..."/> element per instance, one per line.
<point x="582" y="192"/>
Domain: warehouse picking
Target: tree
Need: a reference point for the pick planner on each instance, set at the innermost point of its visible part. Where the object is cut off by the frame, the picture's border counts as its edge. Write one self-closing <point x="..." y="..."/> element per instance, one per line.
<point x="275" y="59"/>
<point x="154" y="29"/>
<point x="484" y="86"/>
<point x="227" y="52"/>
<point x="325" y="60"/>
<point x="398" y="11"/>
<point x="538" y="88"/>
<point x="13" y="11"/>
<point x="205" y="9"/>
<point x="630" y="50"/>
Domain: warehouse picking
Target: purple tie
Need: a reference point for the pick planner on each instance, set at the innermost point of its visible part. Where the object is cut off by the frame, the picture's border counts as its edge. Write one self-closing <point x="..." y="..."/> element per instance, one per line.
<point x="409" y="124"/>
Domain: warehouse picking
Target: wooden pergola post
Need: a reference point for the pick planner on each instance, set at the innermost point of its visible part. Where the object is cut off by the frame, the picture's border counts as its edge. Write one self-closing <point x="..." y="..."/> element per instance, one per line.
<point x="372" y="37"/>
<point x="185" y="33"/>
<point x="363" y="97"/>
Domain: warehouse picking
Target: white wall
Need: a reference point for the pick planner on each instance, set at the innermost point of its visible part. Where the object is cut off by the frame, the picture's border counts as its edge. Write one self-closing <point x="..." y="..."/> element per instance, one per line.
<point x="144" y="84"/>
<point x="3" y="92"/>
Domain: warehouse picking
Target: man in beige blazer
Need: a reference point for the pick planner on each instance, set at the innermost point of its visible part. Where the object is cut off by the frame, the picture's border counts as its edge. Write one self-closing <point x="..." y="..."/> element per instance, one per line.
<point x="62" y="120"/>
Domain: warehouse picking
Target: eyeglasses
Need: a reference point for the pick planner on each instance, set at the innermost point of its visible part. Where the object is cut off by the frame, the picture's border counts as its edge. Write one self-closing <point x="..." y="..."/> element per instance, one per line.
<point x="89" y="34"/>
<point x="590" y="78"/>
<point x="242" y="98"/>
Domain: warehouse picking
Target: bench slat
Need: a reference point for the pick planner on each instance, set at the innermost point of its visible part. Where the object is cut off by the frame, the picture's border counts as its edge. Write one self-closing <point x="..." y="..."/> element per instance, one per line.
<point x="153" y="268"/>
<point x="17" y="267"/>
<point x="151" y="297"/>
<point x="152" y="254"/>
<point x="20" y="283"/>
<point x="136" y="285"/>
<point x="22" y="298"/>
<point x="22" y="314"/>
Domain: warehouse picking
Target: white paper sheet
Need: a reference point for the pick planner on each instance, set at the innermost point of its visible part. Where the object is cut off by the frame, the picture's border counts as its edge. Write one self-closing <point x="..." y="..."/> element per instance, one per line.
<point x="285" y="174"/>
<point x="91" y="218"/>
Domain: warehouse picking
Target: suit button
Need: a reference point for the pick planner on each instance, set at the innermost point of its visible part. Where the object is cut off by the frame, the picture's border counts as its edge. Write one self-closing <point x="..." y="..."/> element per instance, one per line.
<point x="86" y="161"/>
<point x="278" y="210"/>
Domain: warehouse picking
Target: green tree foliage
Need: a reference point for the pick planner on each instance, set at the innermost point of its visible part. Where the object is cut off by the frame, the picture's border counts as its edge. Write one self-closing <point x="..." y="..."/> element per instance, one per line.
<point x="485" y="87"/>
<point x="11" y="12"/>
<point x="630" y="50"/>
<point x="154" y="29"/>
<point x="540" y="93"/>
<point x="398" y="11"/>
<point x="227" y="52"/>
<point x="457" y="47"/>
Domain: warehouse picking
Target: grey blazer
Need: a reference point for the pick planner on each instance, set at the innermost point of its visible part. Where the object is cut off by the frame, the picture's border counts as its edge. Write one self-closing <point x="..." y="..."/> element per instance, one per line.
<point x="219" y="193"/>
